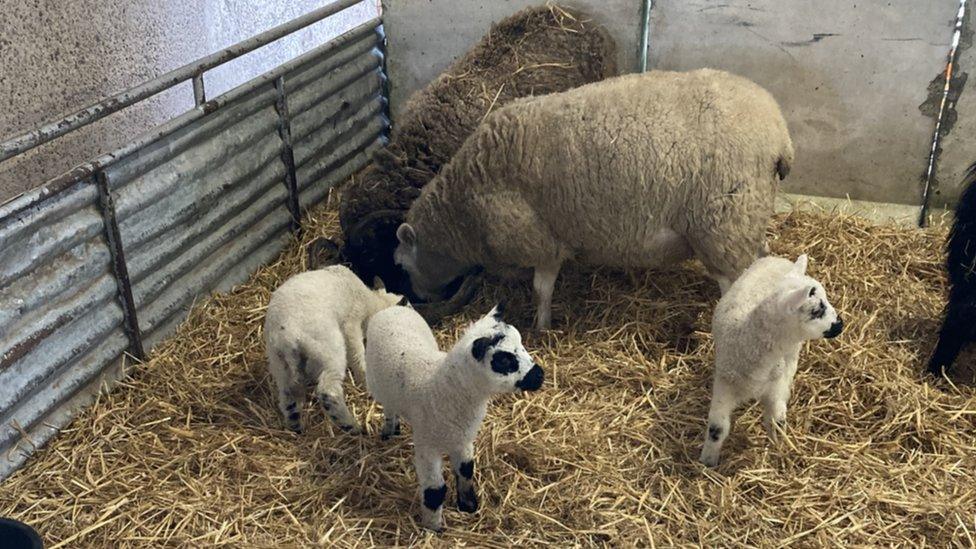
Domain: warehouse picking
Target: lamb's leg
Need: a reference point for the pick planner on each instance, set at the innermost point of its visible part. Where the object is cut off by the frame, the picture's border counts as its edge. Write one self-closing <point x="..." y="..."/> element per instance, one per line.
<point x="355" y="352"/>
<point x="432" y="488"/>
<point x="391" y="425"/>
<point x="544" y="282"/>
<point x="332" y="371"/>
<point x="291" y="392"/>
<point x="462" y="461"/>
<point x="777" y="396"/>
<point x="723" y="403"/>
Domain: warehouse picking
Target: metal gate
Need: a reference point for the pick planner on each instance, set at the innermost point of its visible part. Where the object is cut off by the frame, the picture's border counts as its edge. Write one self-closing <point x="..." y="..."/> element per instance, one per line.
<point x="104" y="261"/>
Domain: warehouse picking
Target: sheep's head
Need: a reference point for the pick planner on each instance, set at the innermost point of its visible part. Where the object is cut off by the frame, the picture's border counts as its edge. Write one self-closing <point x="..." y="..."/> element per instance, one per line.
<point x="500" y="360"/>
<point x="805" y="304"/>
<point x="433" y="275"/>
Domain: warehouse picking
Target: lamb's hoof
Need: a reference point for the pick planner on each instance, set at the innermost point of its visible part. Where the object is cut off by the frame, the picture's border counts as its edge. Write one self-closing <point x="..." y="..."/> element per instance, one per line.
<point x="468" y="503"/>
<point x="709" y="460"/>
<point x="436" y="527"/>
<point x="351" y="429"/>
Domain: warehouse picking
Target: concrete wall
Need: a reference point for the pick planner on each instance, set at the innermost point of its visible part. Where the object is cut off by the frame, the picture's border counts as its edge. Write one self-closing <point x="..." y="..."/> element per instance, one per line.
<point x="851" y="76"/>
<point x="58" y="56"/>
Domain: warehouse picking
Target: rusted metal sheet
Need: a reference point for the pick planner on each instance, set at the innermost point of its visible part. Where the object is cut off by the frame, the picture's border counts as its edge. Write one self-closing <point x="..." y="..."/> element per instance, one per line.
<point x="114" y="253"/>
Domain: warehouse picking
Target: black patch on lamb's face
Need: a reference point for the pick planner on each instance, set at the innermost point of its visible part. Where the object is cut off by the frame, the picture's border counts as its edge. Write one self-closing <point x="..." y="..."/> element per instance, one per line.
<point x="481" y="345"/>
<point x="819" y="311"/>
<point x="291" y="407"/>
<point x="294" y="416"/>
<point x="504" y="363"/>
<point x="835" y="329"/>
<point x="467" y="469"/>
<point x="434" y="497"/>
<point x="714" y="432"/>
<point x="532" y="380"/>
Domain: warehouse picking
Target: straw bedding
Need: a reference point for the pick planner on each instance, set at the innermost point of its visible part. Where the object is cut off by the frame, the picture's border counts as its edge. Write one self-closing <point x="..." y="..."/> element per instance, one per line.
<point x="190" y="450"/>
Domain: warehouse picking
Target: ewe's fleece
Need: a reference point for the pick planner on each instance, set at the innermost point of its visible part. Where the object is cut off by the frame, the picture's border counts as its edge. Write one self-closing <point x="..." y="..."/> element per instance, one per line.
<point x="641" y="170"/>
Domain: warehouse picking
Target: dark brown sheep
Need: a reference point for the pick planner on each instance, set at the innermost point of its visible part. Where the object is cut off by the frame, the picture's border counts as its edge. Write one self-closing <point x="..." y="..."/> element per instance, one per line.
<point x="536" y="51"/>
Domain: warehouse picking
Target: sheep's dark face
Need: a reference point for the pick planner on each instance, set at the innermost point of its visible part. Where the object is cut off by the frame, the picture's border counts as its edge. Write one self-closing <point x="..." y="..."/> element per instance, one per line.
<point x="807" y="307"/>
<point x="433" y="275"/>
<point x="504" y="364"/>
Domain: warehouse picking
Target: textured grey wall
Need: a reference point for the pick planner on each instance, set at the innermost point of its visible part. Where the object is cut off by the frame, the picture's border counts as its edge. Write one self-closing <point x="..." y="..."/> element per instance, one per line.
<point x="57" y="56"/>
<point x="851" y="76"/>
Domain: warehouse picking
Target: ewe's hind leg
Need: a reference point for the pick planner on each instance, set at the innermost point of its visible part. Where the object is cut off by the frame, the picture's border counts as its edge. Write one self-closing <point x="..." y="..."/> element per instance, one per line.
<point x="728" y="239"/>
<point x="291" y="390"/>
<point x="432" y="488"/>
<point x="719" y="422"/>
<point x="391" y="425"/>
<point x="332" y="371"/>
<point x="544" y="283"/>
<point x="462" y="461"/>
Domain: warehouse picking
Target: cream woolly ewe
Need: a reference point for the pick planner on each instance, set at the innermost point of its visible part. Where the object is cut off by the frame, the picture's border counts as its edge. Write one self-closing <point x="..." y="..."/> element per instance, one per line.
<point x="642" y="170"/>
<point x="313" y="330"/>
<point x="758" y="328"/>
<point x="444" y="396"/>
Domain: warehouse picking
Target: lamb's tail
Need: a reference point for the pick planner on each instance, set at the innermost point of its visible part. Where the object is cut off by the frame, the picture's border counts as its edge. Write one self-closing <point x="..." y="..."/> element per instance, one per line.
<point x="783" y="166"/>
<point x="785" y="161"/>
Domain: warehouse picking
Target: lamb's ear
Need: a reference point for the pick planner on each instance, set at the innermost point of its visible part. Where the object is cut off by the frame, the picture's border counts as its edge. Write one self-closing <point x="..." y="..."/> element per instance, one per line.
<point x="406" y="234"/>
<point x="800" y="265"/>
<point x="796" y="297"/>
<point x="480" y="347"/>
<point x="498" y="310"/>
<point x="378" y="283"/>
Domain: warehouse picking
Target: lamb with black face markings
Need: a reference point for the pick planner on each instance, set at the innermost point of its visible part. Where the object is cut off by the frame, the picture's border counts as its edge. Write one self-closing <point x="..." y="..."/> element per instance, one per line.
<point x="444" y="396"/>
<point x="758" y="328"/>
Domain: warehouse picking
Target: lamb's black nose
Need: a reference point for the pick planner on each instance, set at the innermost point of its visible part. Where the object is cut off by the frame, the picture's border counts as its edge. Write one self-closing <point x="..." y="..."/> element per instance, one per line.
<point x="532" y="380"/>
<point x="835" y="329"/>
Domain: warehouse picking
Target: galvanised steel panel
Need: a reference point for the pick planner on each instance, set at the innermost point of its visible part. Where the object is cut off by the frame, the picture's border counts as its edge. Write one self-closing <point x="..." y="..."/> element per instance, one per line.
<point x="60" y="321"/>
<point x="322" y="153"/>
<point x="201" y="203"/>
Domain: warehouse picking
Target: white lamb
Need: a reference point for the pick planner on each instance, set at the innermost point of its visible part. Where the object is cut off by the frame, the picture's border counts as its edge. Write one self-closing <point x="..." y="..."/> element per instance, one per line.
<point x="758" y="328"/>
<point x="444" y="396"/>
<point x="313" y="330"/>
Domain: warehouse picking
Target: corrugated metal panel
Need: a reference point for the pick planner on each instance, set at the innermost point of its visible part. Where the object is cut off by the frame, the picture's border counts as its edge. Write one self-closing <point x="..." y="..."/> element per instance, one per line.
<point x="199" y="205"/>
<point x="60" y="323"/>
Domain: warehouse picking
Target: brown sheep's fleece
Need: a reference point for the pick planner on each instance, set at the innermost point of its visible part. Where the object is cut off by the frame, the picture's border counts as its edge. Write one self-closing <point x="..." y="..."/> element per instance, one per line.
<point x="536" y="51"/>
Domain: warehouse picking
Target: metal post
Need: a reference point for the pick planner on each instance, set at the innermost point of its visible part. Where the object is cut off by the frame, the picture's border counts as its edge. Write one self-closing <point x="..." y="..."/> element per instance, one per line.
<point x="288" y="154"/>
<point x="645" y="30"/>
<point x="199" y="93"/>
<point x="386" y="85"/>
<point x="929" y="175"/>
<point x="130" y="323"/>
